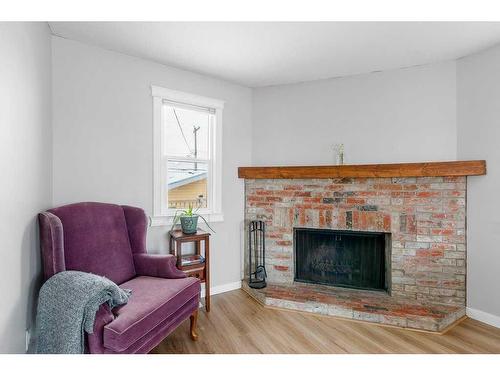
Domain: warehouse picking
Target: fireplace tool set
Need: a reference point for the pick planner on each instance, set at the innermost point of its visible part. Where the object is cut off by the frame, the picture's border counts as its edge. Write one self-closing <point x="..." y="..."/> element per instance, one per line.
<point x="256" y="254"/>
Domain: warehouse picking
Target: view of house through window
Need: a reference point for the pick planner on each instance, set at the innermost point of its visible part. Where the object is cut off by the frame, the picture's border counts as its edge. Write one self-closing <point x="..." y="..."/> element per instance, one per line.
<point x="187" y="148"/>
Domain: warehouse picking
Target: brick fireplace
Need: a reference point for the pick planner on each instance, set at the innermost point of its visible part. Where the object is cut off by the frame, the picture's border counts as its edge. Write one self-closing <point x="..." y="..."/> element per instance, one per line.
<point x="424" y="222"/>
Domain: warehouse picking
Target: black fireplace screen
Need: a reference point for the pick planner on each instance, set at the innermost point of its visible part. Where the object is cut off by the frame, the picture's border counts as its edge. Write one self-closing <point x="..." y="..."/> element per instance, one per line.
<point x="341" y="258"/>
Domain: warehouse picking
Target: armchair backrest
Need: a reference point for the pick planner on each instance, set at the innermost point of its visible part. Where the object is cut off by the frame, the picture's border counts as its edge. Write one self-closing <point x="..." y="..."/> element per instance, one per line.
<point x="92" y="237"/>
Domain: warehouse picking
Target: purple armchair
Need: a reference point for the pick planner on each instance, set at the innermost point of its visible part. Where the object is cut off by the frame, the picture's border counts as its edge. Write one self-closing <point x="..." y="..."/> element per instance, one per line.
<point x="110" y="240"/>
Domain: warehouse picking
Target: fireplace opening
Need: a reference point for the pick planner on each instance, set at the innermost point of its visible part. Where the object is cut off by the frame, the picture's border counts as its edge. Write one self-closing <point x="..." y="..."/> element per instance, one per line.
<point x="342" y="258"/>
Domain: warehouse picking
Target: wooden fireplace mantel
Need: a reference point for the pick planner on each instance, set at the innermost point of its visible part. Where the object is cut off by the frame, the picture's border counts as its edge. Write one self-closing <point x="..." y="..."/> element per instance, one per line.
<point x="427" y="169"/>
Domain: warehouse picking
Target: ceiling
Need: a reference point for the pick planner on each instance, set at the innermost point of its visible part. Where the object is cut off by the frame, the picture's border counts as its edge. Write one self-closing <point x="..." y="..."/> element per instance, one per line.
<point x="257" y="54"/>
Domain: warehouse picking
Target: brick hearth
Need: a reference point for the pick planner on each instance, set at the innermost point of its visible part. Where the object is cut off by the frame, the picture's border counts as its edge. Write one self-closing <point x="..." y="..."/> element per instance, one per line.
<point x="425" y="216"/>
<point x="368" y="306"/>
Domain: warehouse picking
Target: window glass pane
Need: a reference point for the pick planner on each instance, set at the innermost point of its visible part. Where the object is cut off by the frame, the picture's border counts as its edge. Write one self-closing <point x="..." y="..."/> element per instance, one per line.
<point x="187" y="132"/>
<point x="187" y="184"/>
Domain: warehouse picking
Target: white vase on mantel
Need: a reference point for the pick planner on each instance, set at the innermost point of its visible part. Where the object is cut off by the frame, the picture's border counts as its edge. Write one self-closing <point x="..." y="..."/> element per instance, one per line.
<point x="339" y="153"/>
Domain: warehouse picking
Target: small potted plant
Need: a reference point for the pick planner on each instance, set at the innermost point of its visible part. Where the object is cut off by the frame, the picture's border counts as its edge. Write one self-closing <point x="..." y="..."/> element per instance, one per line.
<point x="189" y="220"/>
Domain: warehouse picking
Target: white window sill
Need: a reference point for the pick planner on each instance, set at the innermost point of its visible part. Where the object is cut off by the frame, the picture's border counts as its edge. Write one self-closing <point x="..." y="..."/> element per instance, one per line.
<point x="158" y="221"/>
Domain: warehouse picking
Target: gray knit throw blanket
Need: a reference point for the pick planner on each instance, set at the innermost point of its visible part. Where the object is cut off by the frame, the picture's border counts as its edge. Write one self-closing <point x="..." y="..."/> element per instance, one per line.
<point x="67" y="306"/>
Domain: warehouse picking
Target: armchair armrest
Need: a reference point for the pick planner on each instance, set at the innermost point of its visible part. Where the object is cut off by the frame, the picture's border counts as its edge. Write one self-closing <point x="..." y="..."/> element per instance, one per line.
<point x="157" y="266"/>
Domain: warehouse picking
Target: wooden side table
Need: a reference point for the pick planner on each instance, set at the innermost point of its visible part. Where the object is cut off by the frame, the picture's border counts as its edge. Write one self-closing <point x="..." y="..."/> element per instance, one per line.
<point x="196" y="265"/>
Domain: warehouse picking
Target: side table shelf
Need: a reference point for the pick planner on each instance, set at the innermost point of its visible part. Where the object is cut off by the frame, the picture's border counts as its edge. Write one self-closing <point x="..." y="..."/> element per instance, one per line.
<point x="195" y="265"/>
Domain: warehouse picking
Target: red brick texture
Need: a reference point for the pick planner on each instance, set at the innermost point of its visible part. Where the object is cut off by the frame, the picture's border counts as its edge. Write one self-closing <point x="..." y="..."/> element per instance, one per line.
<point x="425" y="216"/>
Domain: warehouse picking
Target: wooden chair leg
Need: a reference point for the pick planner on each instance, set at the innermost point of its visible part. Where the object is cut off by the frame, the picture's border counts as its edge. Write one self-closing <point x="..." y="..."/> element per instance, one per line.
<point x="194" y="319"/>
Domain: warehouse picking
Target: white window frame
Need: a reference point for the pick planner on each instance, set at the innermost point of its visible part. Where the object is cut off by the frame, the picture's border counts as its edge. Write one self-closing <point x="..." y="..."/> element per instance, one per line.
<point x="162" y="215"/>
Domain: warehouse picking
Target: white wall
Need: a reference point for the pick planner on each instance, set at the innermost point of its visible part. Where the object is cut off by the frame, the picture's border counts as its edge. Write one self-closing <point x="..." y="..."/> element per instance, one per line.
<point x="25" y="165"/>
<point x="393" y="116"/>
<point x="103" y="123"/>
<point x="478" y="101"/>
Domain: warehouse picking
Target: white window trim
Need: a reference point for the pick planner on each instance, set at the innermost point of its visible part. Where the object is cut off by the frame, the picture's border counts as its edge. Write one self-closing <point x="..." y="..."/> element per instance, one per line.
<point x="161" y="215"/>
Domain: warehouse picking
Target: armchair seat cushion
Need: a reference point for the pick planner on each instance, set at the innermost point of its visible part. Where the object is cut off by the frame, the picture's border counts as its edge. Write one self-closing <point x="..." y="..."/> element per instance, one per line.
<point x="153" y="302"/>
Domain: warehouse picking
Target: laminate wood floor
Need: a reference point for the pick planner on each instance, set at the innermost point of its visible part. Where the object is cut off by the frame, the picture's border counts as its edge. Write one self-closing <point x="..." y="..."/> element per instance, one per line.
<point x="239" y="324"/>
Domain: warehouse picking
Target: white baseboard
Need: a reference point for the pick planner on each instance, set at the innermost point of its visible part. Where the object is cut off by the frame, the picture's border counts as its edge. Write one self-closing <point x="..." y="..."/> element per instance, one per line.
<point x="484" y="317"/>
<point x="221" y="288"/>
